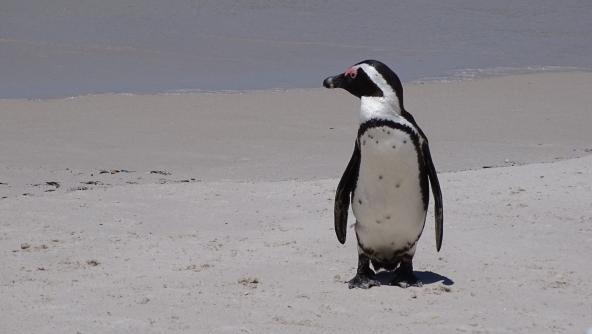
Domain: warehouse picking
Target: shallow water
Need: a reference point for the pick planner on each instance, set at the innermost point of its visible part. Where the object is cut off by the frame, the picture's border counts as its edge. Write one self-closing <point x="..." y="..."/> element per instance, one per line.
<point x="69" y="48"/>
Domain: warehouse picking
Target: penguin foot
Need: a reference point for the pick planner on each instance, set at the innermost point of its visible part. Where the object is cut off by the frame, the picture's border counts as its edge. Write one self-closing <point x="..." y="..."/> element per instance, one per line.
<point x="407" y="283"/>
<point x="404" y="276"/>
<point x="405" y="280"/>
<point x="361" y="281"/>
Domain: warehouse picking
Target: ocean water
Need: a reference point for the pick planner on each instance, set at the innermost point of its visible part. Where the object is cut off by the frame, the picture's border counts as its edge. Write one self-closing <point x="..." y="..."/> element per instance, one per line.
<point x="74" y="47"/>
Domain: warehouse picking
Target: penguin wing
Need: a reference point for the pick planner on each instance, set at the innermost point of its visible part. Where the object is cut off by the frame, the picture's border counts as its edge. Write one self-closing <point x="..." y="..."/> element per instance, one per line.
<point x="438" y="210"/>
<point x="343" y="194"/>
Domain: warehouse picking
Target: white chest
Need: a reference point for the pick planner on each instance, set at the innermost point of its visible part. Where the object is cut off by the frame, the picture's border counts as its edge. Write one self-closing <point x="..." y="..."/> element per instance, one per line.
<point x="388" y="203"/>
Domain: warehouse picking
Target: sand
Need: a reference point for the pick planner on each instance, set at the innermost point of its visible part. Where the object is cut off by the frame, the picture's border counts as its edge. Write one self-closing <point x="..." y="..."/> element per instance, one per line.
<point x="212" y="213"/>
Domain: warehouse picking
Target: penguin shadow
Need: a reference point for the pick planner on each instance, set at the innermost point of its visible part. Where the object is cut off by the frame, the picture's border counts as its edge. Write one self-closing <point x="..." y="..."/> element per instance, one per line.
<point x="425" y="277"/>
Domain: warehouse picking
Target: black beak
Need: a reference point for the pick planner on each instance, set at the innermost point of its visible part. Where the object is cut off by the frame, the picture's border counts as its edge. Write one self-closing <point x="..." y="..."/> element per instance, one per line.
<point x="334" y="82"/>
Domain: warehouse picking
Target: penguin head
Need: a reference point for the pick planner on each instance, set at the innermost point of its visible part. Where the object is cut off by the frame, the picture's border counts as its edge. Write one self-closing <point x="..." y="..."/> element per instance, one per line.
<point x="367" y="79"/>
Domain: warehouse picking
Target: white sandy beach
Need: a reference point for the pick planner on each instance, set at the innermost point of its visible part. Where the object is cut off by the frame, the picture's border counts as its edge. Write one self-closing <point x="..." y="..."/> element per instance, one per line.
<point x="212" y="213"/>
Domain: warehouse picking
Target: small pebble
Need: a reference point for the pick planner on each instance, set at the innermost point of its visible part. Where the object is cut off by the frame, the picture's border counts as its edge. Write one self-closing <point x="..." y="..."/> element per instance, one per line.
<point x="92" y="263"/>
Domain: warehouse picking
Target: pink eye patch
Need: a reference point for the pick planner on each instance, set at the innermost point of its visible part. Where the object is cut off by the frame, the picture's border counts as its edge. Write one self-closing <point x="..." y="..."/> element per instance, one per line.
<point x="351" y="72"/>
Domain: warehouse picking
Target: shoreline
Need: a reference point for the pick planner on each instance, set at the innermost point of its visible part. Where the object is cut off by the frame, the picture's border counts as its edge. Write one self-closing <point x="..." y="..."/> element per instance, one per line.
<point x="451" y="76"/>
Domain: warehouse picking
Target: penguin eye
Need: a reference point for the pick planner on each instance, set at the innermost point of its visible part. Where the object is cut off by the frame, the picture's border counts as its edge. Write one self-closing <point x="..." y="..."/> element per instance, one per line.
<point x="351" y="73"/>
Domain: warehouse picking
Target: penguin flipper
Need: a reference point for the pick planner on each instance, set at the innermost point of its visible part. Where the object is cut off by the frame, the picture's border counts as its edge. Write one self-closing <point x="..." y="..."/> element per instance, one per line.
<point x="343" y="194"/>
<point x="438" y="210"/>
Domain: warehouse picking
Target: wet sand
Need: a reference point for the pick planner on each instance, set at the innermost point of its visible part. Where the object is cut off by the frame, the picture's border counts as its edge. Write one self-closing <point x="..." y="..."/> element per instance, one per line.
<point x="282" y="135"/>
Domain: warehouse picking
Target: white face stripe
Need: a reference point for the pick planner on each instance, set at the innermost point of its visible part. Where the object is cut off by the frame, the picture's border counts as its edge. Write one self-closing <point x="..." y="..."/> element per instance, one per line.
<point x="378" y="79"/>
<point x="374" y="107"/>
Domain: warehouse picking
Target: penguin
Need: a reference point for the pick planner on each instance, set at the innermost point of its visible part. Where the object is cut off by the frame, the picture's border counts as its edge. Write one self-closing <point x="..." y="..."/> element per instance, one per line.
<point x="387" y="179"/>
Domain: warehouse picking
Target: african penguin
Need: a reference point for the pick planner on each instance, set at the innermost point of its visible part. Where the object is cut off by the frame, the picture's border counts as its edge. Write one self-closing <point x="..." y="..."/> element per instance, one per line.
<point x="386" y="179"/>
